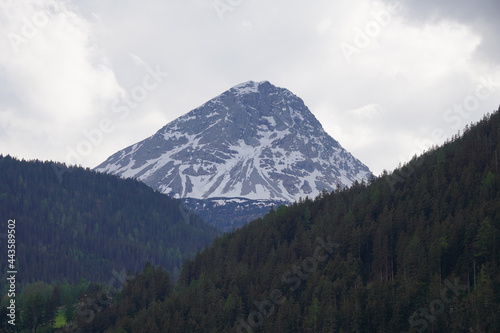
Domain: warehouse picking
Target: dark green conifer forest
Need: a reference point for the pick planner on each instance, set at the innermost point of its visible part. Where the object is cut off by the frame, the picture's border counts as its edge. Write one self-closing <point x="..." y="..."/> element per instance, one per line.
<point x="74" y="223"/>
<point x="414" y="250"/>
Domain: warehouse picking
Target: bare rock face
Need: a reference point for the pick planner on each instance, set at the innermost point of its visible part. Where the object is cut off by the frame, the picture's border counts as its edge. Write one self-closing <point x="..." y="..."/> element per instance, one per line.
<point x="254" y="141"/>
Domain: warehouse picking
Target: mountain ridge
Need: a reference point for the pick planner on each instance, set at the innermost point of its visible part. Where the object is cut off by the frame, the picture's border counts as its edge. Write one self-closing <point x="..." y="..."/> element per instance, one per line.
<point x="255" y="140"/>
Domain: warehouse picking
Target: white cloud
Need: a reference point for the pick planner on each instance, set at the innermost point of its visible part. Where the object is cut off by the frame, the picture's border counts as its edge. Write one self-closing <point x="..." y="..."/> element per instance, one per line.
<point x="369" y="111"/>
<point x="55" y="75"/>
<point x="393" y="93"/>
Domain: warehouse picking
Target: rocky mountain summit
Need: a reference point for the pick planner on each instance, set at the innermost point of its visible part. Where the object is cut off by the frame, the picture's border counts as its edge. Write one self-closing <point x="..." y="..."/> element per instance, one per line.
<point x="254" y="141"/>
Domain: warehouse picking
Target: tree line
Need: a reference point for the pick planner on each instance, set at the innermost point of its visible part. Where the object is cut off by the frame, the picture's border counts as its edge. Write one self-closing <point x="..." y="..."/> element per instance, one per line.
<point x="413" y="250"/>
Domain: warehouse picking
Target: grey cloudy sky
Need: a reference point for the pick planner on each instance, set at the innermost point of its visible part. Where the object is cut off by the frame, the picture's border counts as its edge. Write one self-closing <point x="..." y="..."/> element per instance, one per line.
<point x="80" y="80"/>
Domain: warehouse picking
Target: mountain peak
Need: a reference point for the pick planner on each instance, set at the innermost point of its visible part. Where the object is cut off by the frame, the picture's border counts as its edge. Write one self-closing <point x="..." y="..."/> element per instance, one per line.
<point x="254" y="141"/>
<point x="247" y="87"/>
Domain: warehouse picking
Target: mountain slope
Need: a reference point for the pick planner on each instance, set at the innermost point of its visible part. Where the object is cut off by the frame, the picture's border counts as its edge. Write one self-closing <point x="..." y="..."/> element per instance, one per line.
<point x="415" y="250"/>
<point x="254" y="141"/>
<point x="87" y="225"/>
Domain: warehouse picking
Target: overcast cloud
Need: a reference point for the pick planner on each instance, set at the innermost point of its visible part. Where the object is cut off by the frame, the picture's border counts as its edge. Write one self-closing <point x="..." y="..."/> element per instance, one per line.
<point x="80" y="80"/>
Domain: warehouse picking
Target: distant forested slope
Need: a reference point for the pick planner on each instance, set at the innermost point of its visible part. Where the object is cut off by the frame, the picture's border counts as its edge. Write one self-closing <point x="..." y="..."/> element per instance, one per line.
<point x="74" y="223"/>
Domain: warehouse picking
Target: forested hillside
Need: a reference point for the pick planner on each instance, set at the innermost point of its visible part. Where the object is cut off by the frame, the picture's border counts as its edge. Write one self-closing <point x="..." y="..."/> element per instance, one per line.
<point x="414" y="250"/>
<point x="74" y="223"/>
